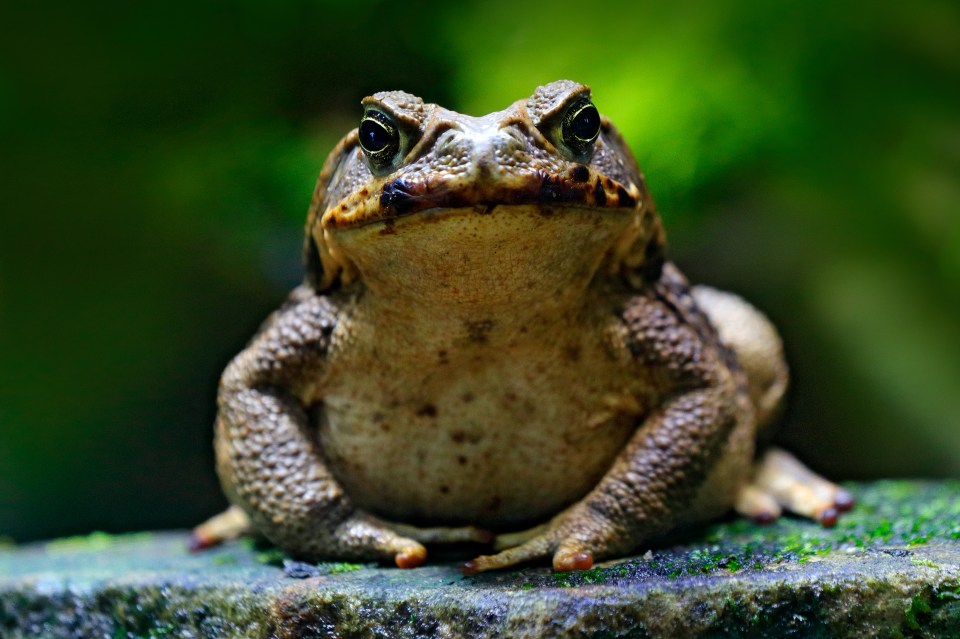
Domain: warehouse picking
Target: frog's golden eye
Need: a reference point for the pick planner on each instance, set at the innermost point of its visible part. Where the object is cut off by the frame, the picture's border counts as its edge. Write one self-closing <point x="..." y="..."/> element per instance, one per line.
<point x="379" y="138"/>
<point x="581" y="126"/>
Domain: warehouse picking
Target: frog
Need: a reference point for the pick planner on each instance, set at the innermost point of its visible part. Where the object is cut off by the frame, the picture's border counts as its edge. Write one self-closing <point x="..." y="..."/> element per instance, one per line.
<point x="490" y="345"/>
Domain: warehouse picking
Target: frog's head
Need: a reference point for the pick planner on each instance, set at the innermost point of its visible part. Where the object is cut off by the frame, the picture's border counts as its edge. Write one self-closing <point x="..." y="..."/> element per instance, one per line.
<point x="547" y="184"/>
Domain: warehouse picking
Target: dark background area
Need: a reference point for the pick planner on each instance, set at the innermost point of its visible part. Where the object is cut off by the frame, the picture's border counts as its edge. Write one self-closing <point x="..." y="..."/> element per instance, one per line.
<point x="158" y="161"/>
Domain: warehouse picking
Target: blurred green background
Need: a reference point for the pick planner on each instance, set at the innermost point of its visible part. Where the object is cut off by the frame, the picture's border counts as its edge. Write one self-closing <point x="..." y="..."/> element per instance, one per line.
<point x="158" y="160"/>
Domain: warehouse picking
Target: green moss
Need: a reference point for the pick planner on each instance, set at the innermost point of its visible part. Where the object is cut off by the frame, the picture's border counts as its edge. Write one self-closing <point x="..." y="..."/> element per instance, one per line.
<point x="890" y="513"/>
<point x="916" y="611"/>
<point x="562" y="579"/>
<point x="923" y="562"/>
<point x="339" y="568"/>
<point x="94" y="541"/>
<point x="271" y="557"/>
<point x="949" y="591"/>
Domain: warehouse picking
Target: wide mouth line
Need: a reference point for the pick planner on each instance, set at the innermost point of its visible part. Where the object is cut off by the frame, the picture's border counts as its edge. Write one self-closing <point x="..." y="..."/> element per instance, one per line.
<point x="437" y="212"/>
<point x="401" y="198"/>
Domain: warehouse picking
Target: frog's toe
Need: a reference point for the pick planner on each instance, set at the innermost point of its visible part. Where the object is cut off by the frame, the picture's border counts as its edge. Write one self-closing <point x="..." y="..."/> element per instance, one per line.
<point x="781" y="480"/>
<point x="538" y="548"/>
<point x="759" y="506"/>
<point x="228" y="525"/>
<point x="572" y="555"/>
<point x="363" y="536"/>
<point x="411" y="556"/>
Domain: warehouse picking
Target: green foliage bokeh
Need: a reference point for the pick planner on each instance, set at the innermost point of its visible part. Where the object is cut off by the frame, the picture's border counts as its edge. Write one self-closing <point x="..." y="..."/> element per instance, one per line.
<point x="159" y="159"/>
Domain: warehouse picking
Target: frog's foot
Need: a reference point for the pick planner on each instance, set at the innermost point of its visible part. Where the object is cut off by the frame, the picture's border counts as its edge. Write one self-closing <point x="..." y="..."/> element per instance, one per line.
<point x="441" y="535"/>
<point x="537" y="548"/>
<point x="781" y="481"/>
<point x="571" y="538"/>
<point x="228" y="525"/>
<point x="514" y="548"/>
<point x="363" y="537"/>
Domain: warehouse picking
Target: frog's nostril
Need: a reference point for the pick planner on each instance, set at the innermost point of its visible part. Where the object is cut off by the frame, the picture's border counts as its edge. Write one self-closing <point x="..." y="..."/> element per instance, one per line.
<point x="511" y="139"/>
<point x="449" y="143"/>
<point x="509" y="149"/>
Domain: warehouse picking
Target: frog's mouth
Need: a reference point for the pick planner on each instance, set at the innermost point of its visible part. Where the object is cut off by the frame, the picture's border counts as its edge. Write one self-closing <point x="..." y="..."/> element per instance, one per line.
<point x="580" y="187"/>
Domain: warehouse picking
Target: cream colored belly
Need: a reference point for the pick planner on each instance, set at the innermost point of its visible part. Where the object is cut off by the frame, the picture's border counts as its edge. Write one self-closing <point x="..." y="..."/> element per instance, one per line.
<point x="499" y="444"/>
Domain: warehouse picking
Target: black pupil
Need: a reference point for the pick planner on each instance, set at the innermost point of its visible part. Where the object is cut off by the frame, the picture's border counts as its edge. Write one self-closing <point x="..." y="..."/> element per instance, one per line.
<point x="373" y="135"/>
<point x="586" y="123"/>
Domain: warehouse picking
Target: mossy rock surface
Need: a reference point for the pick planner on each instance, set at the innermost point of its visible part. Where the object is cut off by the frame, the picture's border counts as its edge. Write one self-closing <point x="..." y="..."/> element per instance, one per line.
<point x="891" y="568"/>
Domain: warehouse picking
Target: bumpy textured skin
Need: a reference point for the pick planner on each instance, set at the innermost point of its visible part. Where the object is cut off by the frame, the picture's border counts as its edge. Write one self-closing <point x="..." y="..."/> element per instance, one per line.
<point x="490" y="336"/>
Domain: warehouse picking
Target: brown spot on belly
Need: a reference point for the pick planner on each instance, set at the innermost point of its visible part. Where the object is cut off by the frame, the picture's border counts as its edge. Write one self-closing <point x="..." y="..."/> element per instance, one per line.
<point x="458" y="437"/>
<point x="444" y="489"/>
<point x="572" y="352"/>
<point x="462" y="460"/>
<point x="467" y="397"/>
<point x="479" y="330"/>
<point x="427" y="410"/>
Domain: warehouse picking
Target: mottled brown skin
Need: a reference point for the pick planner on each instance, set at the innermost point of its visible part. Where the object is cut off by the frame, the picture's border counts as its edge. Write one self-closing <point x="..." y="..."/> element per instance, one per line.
<point x="490" y="338"/>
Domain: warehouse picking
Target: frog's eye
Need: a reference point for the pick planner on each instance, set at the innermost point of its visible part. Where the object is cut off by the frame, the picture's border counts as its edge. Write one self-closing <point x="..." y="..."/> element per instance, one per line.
<point x="379" y="138"/>
<point x="581" y="126"/>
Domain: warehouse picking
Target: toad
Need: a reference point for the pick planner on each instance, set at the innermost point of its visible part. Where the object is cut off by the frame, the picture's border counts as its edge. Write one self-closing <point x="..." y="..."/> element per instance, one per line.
<point x="491" y="345"/>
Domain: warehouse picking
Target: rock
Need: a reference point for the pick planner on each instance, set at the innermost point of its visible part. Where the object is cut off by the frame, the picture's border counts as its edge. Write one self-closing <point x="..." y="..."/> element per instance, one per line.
<point x="891" y="568"/>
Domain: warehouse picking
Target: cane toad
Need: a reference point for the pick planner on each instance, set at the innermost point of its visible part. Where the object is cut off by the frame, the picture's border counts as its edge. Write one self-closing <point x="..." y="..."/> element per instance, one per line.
<point x="490" y="344"/>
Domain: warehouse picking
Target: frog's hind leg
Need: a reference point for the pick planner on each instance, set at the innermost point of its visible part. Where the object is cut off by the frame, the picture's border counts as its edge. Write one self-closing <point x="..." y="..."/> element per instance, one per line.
<point x="758" y="348"/>
<point x="781" y="481"/>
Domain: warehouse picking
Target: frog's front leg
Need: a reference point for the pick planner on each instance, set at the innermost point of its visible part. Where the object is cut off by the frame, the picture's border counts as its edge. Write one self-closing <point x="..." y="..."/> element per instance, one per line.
<point x="643" y="494"/>
<point x="268" y="458"/>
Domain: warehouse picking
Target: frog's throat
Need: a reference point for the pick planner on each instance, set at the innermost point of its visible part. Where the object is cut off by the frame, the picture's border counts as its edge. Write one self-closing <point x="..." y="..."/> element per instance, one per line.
<point x="637" y="254"/>
<point x="514" y="261"/>
<point x="580" y="187"/>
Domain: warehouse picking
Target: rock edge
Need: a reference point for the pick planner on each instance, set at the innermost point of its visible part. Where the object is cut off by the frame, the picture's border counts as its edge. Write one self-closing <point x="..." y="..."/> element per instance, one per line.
<point x="889" y="569"/>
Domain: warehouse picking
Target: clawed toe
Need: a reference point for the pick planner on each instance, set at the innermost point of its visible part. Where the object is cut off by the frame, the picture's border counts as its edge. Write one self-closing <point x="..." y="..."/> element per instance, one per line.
<point x="537" y="548"/>
<point x="570" y="561"/>
<point x="225" y="526"/>
<point x="843" y="500"/>
<point x="412" y="556"/>
<point x="568" y="556"/>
